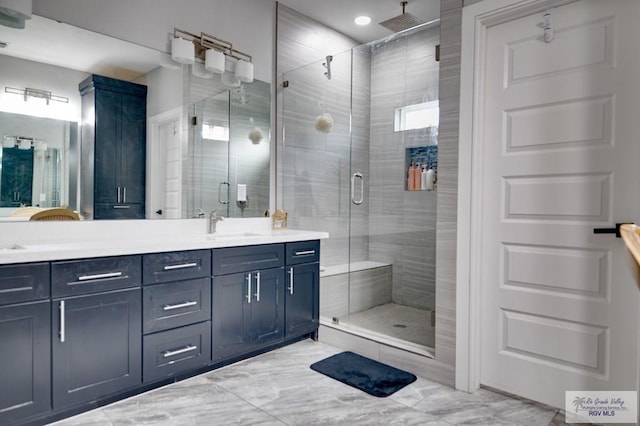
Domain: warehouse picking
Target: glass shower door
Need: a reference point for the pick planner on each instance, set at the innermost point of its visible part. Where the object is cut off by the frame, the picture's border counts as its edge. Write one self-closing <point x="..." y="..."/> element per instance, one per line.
<point x="314" y="169"/>
<point x="209" y="174"/>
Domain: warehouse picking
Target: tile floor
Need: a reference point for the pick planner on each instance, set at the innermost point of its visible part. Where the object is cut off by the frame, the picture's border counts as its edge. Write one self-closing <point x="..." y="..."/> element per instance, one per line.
<point x="397" y="321"/>
<point x="279" y="388"/>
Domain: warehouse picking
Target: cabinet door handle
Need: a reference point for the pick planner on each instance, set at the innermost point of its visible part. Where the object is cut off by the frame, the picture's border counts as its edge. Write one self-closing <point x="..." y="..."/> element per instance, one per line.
<point x="188" y="348"/>
<point x="118" y="195"/>
<point x="257" y="286"/>
<point x="100" y="276"/>
<point x="248" y="288"/>
<point x="121" y="207"/>
<point x="305" y="253"/>
<point x="124" y="194"/>
<point x="62" y="322"/>
<point x="179" y="305"/>
<point x="291" y="280"/>
<point x="180" y="266"/>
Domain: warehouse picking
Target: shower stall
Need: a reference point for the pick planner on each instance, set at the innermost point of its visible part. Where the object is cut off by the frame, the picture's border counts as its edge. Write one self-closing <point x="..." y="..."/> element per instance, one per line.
<point x="359" y="137"/>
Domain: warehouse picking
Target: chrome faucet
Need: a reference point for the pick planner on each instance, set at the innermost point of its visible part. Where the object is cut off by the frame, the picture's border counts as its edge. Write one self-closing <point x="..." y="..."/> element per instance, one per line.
<point x="213" y="220"/>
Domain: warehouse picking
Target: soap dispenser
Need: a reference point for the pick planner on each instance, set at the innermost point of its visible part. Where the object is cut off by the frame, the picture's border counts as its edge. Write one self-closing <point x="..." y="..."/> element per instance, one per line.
<point x="430" y="180"/>
<point x="423" y="179"/>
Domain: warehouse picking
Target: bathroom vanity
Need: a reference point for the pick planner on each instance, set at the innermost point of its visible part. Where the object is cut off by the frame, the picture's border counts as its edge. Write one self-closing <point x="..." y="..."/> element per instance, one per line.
<point x="77" y="332"/>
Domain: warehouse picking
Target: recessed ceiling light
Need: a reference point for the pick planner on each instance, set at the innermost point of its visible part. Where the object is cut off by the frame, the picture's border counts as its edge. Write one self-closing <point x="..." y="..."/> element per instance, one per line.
<point x="362" y="20"/>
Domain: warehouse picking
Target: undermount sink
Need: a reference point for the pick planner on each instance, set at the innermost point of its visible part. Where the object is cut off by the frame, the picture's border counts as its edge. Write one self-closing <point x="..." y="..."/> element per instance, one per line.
<point x="11" y="247"/>
<point x="231" y="236"/>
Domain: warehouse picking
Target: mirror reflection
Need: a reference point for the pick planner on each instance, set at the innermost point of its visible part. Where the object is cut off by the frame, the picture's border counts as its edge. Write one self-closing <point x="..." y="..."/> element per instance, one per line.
<point x="33" y="161"/>
<point x="181" y="179"/>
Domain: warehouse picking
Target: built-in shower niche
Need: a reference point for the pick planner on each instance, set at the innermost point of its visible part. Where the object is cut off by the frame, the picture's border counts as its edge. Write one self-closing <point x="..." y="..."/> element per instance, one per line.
<point x="423" y="161"/>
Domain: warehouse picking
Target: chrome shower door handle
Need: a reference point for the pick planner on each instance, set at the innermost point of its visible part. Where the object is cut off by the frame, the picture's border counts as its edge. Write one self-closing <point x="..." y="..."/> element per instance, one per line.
<point x="355" y="176"/>
<point x="220" y="192"/>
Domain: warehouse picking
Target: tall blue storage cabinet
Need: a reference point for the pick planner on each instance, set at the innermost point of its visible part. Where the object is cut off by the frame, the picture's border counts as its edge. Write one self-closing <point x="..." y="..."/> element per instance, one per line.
<point x="113" y="149"/>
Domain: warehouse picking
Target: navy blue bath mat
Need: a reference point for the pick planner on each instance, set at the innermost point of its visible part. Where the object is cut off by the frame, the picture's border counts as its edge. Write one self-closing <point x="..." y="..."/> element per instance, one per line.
<point x="372" y="377"/>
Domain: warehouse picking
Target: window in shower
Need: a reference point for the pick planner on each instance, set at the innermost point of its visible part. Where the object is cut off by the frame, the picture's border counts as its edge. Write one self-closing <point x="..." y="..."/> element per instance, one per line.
<point x="418" y="116"/>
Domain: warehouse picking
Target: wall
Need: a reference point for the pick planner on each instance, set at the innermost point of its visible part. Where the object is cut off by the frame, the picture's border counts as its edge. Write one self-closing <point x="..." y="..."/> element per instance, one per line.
<point x="402" y="224"/>
<point x="248" y="24"/>
<point x="20" y="73"/>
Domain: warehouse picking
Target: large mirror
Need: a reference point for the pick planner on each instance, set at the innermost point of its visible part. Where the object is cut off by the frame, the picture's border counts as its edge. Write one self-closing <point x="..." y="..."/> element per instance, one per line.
<point x="40" y="122"/>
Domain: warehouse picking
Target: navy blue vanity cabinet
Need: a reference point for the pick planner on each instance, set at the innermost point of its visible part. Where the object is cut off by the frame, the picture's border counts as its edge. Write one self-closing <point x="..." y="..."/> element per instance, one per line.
<point x="16" y="178"/>
<point x="176" y="313"/>
<point x="248" y="299"/>
<point x="96" y="328"/>
<point x="303" y="285"/>
<point x="25" y="342"/>
<point x="113" y="154"/>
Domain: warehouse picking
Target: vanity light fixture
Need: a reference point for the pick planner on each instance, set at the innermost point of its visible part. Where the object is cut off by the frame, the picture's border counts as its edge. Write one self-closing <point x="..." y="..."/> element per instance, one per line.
<point x="14" y="13"/>
<point x="36" y="93"/>
<point x="214" y="52"/>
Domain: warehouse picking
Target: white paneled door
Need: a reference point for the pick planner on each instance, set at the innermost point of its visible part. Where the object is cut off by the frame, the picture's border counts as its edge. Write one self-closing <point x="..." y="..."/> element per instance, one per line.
<point x="559" y="148"/>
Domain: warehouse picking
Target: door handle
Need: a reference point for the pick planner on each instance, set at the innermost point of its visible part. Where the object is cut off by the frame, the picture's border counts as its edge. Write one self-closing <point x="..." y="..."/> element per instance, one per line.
<point x="290" y="280"/>
<point x="353" y="188"/>
<point x="220" y="192"/>
<point x="62" y="322"/>
<point x="248" y="288"/>
<point x="257" y="287"/>
<point x="615" y="230"/>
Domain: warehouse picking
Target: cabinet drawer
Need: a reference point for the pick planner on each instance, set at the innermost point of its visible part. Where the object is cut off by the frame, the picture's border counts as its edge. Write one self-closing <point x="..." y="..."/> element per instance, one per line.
<point x="118" y="211"/>
<point x="171" y="352"/>
<point x="176" y="304"/>
<point x="180" y="265"/>
<point x="303" y="252"/>
<point x="250" y="258"/>
<point x="75" y="277"/>
<point x="21" y="283"/>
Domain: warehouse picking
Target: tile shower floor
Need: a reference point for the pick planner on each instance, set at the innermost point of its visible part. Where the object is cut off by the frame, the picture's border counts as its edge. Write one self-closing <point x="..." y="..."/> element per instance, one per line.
<point x="397" y="321"/>
<point x="279" y="388"/>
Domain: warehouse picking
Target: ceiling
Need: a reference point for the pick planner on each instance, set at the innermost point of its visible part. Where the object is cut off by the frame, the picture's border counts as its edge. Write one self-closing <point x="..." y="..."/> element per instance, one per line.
<point x="339" y="14"/>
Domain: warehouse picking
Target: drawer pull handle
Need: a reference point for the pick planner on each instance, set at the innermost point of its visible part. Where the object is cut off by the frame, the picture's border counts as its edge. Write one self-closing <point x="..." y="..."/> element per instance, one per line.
<point x="100" y="276"/>
<point x="187" y="348"/>
<point x="181" y="266"/>
<point x="305" y="253"/>
<point x="179" y="305"/>
<point x="121" y="207"/>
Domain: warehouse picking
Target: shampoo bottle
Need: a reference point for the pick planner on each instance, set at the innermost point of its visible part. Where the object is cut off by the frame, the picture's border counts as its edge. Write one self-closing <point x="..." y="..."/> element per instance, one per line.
<point x="417" y="178"/>
<point x="423" y="179"/>
<point x="411" y="178"/>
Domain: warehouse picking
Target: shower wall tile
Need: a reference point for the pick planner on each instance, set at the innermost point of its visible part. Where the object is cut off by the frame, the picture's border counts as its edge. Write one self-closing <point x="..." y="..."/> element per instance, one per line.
<point x="403" y="72"/>
<point x="450" y="42"/>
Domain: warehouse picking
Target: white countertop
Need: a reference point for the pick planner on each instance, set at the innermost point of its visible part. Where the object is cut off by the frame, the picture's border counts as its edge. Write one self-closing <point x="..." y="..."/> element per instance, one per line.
<point x="100" y="244"/>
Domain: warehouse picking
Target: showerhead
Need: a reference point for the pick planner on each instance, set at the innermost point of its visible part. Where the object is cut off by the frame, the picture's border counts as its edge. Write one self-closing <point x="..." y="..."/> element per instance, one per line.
<point x="402" y="22"/>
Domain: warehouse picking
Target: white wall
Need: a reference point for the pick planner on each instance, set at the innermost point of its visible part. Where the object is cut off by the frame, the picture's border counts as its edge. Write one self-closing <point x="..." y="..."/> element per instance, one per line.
<point x="248" y="24"/>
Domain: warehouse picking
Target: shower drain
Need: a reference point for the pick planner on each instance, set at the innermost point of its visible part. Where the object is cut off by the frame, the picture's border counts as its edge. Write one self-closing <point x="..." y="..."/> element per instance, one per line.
<point x="400" y="325"/>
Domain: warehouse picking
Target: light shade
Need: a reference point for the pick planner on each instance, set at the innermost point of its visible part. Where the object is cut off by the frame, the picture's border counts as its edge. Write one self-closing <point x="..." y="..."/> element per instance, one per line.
<point x="17" y="8"/>
<point x="183" y="51"/>
<point x="12" y="21"/>
<point x="244" y="71"/>
<point x="198" y="70"/>
<point x="214" y="61"/>
<point x="230" y="79"/>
